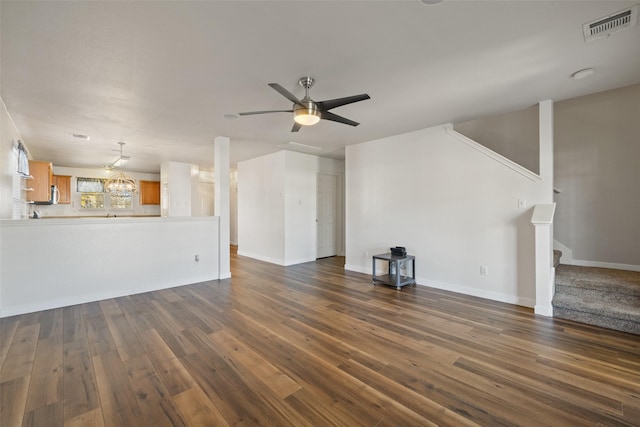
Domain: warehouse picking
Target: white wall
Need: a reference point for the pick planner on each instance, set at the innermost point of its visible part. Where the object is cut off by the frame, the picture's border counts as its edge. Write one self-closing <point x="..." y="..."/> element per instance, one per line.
<point x="277" y="206"/>
<point x="300" y="208"/>
<point x="74" y="209"/>
<point x="261" y="219"/>
<point x="9" y="136"/>
<point x="597" y="156"/>
<point x="514" y="135"/>
<point x="452" y="205"/>
<point x="55" y="263"/>
<point x="233" y="207"/>
<point x="176" y="183"/>
<point x="336" y="167"/>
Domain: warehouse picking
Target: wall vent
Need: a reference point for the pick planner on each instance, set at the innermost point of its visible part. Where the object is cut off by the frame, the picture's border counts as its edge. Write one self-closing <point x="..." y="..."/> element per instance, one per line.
<point x="604" y="27"/>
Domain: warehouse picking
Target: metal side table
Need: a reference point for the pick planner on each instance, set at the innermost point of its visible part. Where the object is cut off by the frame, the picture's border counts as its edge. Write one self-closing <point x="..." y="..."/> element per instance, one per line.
<point x="401" y="270"/>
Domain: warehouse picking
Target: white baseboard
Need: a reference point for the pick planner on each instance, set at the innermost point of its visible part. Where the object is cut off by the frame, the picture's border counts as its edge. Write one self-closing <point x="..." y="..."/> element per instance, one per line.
<point x="83" y="299"/>
<point x="616" y="266"/>
<point x="274" y="260"/>
<point x="544" y="310"/>
<point x="261" y="258"/>
<point x="481" y="293"/>
<point x="357" y="269"/>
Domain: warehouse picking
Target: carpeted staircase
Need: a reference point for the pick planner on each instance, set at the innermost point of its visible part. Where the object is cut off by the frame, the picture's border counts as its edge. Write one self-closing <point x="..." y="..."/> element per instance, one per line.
<point x="598" y="296"/>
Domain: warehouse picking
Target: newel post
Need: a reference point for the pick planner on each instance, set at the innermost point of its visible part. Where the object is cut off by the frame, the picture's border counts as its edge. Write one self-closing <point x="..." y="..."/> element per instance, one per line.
<point x="542" y="220"/>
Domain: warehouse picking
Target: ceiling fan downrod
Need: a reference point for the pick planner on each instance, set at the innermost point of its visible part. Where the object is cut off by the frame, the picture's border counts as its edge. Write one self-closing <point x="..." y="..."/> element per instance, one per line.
<point x="306" y="83"/>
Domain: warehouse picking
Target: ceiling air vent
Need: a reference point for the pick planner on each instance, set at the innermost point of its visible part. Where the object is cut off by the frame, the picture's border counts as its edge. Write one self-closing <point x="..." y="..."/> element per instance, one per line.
<point x="608" y="25"/>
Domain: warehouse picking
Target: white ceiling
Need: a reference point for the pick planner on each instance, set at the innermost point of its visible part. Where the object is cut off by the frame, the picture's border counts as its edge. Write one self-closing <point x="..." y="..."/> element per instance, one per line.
<point x="161" y="76"/>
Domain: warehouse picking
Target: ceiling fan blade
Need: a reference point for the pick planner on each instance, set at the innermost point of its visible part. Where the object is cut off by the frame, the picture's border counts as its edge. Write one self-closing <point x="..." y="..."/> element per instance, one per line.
<point x="296" y="127"/>
<point x="282" y="91"/>
<point x="325" y="115"/>
<point x="338" y="102"/>
<point x="249" y="113"/>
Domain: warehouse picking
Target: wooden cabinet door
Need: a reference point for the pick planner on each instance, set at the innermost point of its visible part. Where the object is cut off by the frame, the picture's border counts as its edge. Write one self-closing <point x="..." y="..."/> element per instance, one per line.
<point x="149" y="192"/>
<point x="63" y="182"/>
<point x="42" y="173"/>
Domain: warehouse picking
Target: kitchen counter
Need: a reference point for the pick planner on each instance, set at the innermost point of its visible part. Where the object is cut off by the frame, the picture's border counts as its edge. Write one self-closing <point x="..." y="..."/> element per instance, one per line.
<point x="98" y="216"/>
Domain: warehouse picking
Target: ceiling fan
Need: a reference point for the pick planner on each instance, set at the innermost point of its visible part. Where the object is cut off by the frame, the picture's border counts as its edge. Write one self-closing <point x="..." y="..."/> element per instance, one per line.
<point x="306" y="111"/>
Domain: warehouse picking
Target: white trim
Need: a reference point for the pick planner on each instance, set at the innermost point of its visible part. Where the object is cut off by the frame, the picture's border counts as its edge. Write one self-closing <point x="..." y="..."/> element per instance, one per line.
<point x="616" y="266"/>
<point x="460" y="289"/>
<point x="492" y="154"/>
<point x="274" y="260"/>
<point x="260" y="257"/>
<point x="567" y="253"/>
<point x="481" y="293"/>
<point x="86" y="298"/>
<point x="358" y="269"/>
<point x="544" y="310"/>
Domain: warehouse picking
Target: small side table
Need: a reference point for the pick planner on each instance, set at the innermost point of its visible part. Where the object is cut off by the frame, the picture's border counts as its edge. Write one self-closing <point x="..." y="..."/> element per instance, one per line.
<point x="395" y="276"/>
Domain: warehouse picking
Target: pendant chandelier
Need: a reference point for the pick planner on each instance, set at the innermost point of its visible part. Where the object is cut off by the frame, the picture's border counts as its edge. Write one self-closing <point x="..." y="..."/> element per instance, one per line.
<point x="120" y="185"/>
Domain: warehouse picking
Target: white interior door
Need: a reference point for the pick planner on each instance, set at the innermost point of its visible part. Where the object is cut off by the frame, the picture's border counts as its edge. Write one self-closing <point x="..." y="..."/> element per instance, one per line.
<point x="327" y="215"/>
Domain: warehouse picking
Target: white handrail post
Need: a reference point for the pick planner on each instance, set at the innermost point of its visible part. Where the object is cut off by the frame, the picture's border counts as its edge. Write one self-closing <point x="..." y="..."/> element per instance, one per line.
<point x="542" y="220"/>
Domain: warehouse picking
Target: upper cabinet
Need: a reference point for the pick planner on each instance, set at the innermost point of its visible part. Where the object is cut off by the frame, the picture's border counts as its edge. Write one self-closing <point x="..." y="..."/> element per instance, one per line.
<point x="63" y="182"/>
<point x="42" y="173"/>
<point x="149" y="192"/>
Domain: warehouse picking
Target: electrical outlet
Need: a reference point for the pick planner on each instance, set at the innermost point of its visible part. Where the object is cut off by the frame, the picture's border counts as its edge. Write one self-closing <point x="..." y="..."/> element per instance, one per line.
<point x="197" y="258"/>
<point x="522" y="203"/>
<point x="484" y="270"/>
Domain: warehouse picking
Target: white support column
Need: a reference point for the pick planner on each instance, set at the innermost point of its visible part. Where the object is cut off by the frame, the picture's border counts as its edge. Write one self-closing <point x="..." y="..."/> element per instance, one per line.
<point x="545" y="112"/>
<point x="221" y="201"/>
<point x="542" y="218"/>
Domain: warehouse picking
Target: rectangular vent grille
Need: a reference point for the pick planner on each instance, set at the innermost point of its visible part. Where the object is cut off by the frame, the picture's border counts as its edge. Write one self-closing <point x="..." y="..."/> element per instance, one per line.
<point x="608" y="25"/>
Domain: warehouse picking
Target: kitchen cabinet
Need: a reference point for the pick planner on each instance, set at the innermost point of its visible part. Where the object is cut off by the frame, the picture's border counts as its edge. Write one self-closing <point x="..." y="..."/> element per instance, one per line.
<point x="42" y="173"/>
<point x="149" y="192"/>
<point x="63" y="182"/>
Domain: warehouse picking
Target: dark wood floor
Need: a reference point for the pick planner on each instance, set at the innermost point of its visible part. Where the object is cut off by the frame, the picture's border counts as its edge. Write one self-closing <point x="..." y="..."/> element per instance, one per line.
<point x="311" y="345"/>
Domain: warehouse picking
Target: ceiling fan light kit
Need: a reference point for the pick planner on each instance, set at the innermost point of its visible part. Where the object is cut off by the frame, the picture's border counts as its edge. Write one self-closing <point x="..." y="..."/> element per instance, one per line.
<point x="306" y="111"/>
<point x="306" y="116"/>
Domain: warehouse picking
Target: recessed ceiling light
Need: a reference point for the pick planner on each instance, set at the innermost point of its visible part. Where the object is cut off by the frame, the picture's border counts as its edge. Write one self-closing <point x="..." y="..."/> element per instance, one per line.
<point x="582" y="74"/>
<point x="231" y="116"/>
<point x="431" y="2"/>
<point x="292" y="144"/>
<point x="80" y="136"/>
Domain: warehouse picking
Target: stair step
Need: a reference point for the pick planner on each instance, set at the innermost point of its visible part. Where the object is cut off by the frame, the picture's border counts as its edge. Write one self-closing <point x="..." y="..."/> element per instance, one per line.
<point x="600" y="279"/>
<point x="597" y="320"/>
<point x="585" y="304"/>
<point x="599" y="293"/>
<point x="598" y="296"/>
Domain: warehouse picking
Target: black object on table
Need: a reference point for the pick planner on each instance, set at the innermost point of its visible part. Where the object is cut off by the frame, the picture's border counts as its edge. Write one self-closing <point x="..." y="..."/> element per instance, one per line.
<point x="394" y="275"/>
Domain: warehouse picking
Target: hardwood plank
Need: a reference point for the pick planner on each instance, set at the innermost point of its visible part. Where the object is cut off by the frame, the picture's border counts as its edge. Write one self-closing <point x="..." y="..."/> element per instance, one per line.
<point x="171" y="372"/>
<point x="117" y="398"/>
<point x="124" y="336"/>
<point x="8" y="328"/>
<point x="92" y="418"/>
<point x="98" y="334"/>
<point x="44" y="416"/>
<point x="152" y="396"/>
<point x="198" y="409"/>
<point x="19" y="360"/>
<point x="252" y="365"/>
<point x="45" y="388"/>
<point x="79" y="389"/>
<point x="13" y="399"/>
